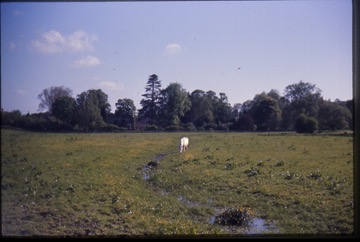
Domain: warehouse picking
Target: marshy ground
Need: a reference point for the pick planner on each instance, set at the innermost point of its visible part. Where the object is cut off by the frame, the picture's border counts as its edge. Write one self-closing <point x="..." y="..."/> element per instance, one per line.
<point x="138" y="184"/>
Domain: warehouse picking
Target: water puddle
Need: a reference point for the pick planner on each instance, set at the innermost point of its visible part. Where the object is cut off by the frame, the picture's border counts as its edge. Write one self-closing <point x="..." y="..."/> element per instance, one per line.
<point x="258" y="226"/>
<point x="255" y="226"/>
<point x="187" y="202"/>
<point x="159" y="157"/>
<point x="146" y="172"/>
<point x="151" y="165"/>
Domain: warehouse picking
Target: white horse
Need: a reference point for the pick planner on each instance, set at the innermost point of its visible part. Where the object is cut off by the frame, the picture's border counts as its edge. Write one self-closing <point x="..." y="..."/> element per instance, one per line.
<point x="184" y="143"/>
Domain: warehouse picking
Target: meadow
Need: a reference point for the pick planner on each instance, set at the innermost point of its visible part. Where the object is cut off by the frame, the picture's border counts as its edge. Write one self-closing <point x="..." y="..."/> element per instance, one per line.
<point x="99" y="184"/>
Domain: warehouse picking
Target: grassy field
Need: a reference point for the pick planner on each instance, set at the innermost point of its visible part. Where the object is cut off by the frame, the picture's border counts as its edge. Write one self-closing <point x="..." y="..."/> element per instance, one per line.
<point x="98" y="184"/>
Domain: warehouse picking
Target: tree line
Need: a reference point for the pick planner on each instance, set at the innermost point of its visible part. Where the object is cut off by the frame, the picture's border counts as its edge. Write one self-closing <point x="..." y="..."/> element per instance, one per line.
<point x="302" y="109"/>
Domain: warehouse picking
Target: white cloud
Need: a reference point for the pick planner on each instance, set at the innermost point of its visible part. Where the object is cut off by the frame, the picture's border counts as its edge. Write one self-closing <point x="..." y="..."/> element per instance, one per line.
<point x="54" y="42"/>
<point x="80" y="41"/>
<point x="110" y="86"/>
<point x="88" y="61"/>
<point x="173" y="49"/>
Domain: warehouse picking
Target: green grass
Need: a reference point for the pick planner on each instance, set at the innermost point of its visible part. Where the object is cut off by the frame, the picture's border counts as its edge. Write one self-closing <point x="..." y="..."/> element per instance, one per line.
<point x="93" y="184"/>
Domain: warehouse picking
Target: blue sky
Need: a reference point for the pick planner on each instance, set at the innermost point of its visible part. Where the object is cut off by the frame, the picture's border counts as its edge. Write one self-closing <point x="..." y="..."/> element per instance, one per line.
<point x="116" y="46"/>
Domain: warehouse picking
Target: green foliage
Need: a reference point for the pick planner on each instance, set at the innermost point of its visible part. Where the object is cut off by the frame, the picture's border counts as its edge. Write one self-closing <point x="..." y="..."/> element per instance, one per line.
<point x="173" y="108"/>
<point x="125" y="111"/>
<point x="304" y="124"/>
<point x="151" y="100"/>
<point x="49" y="95"/>
<point x="93" y="109"/>
<point x="201" y="111"/>
<point x="303" y="98"/>
<point x="174" y="104"/>
<point x="189" y="127"/>
<point x="243" y="123"/>
<point x="151" y="127"/>
<point x="34" y="122"/>
<point x="333" y="116"/>
<point x="11" y="118"/>
<point x="221" y="109"/>
<point x="266" y="113"/>
<point x="173" y="128"/>
<point x="64" y="108"/>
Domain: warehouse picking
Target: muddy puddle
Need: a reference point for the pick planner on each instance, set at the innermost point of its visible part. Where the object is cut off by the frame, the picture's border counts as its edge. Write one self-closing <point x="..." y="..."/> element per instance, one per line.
<point x="151" y="165"/>
<point x="255" y="226"/>
<point x="259" y="225"/>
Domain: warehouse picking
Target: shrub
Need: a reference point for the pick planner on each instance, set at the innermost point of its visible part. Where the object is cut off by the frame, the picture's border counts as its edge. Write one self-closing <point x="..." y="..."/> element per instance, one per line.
<point x="112" y="128"/>
<point x="305" y="124"/>
<point x="151" y="127"/>
<point x="189" y="127"/>
<point x="173" y="128"/>
<point x="222" y="127"/>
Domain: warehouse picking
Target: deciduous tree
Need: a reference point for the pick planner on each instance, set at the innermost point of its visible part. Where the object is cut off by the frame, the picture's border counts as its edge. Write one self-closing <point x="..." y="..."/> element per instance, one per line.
<point x="333" y="116"/>
<point x="64" y="108"/>
<point x="49" y="95"/>
<point x="92" y="107"/>
<point x="300" y="98"/>
<point x="174" y="104"/>
<point x="125" y="111"/>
